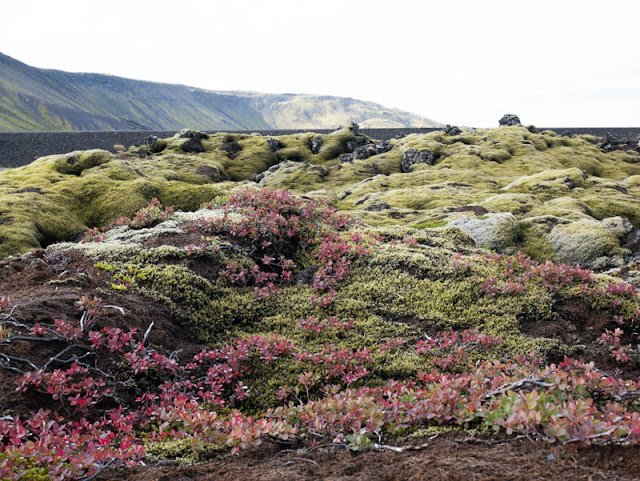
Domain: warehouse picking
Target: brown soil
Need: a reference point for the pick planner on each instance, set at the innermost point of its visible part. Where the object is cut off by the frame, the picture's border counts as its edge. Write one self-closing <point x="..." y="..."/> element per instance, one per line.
<point x="45" y="288"/>
<point x="476" y="209"/>
<point x="453" y="456"/>
<point x="577" y="324"/>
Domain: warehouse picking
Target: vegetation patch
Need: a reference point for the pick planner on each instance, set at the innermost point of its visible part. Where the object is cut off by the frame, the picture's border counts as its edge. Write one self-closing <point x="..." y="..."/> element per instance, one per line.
<point x="279" y="315"/>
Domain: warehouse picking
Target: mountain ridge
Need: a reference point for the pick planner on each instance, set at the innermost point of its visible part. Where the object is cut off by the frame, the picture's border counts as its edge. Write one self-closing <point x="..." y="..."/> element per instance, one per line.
<point x="54" y="100"/>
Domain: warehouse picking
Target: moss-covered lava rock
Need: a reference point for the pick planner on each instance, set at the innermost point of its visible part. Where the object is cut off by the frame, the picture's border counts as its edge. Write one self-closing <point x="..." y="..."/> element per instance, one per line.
<point x="541" y="180"/>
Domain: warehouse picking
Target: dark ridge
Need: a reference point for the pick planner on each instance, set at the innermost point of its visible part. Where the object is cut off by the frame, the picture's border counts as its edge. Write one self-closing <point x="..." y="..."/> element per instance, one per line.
<point x="21" y="148"/>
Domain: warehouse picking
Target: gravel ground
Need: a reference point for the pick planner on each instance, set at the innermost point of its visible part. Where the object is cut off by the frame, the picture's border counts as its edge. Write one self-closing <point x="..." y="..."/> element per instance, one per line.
<point x="21" y="148"/>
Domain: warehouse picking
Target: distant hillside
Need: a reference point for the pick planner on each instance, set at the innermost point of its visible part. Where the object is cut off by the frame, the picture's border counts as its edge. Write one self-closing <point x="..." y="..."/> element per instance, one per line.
<point x="39" y="99"/>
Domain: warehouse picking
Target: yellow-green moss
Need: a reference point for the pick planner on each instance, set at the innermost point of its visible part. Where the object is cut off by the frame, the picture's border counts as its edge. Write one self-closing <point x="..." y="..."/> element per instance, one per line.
<point x="509" y="169"/>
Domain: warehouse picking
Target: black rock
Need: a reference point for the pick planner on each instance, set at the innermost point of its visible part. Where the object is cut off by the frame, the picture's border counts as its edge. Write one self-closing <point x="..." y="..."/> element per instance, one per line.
<point x="509" y="120"/>
<point x="231" y="148"/>
<point x="351" y="145"/>
<point x="364" y="152"/>
<point x="306" y="276"/>
<point x="609" y="143"/>
<point x="315" y="143"/>
<point x="192" y="145"/>
<point x="412" y="157"/>
<point x="378" y="207"/>
<point x="143" y="153"/>
<point x="452" y="130"/>
<point x="192" y="134"/>
<point x="346" y="158"/>
<point x="155" y="145"/>
<point x="632" y="240"/>
<point x="274" y="145"/>
<point x="382" y="147"/>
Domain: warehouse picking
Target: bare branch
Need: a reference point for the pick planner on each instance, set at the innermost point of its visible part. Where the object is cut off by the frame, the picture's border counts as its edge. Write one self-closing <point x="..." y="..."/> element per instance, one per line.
<point x="15" y="323"/>
<point x="517" y="385"/>
<point x="9" y="358"/>
<point x="10" y="314"/>
<point x="293" y="461"/>
<point x="117" y="308"/>
<point x="402" y="449"/>
<point x="146" y="334"/>
<point x="57" y="357"/>
<point x="99" y="471"/>
<point x="9" y="340"/>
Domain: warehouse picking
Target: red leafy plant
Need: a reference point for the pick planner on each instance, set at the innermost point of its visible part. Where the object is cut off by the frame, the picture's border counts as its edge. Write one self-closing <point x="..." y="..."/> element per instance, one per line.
<point x="273" y="227"/>
<point x="148" y="216"/>
<point x="520" y="269"/>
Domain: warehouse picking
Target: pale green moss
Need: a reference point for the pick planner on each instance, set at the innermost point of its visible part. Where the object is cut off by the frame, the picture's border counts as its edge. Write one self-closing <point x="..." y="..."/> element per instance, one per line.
<point x="517" y="204"/>
<point x="77" y="162"/>
<point x="493" y="231"/>
<point x="550" y="181"/>
<point x="503" y="170"/>
<point x="588" y="243"/>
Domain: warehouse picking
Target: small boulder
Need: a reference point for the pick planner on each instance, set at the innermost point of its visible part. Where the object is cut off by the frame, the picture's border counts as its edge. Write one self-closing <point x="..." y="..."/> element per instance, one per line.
<point x="590" y="243"/>
<point x="305" y="278"/>
<point x="231" y="148"/>
<point x="315" y="143"/>
<point x="494" y="231"/>
<point x="364" y="152"/>
<point x="509" y="120"/>
<point x="412" y="157"/>
<point x="192" y="145"/>
<point x="274" y="145"/>
<point x="452" y="130"/>
<point x="378" y="207"/>
<point x="610" y="143"/>
<point x="213" y="173"/>
<point x="192" y="134"/>
<point x="346" y="158"/>
<point x="155" y="145"/>
<point x="382" y="147"/>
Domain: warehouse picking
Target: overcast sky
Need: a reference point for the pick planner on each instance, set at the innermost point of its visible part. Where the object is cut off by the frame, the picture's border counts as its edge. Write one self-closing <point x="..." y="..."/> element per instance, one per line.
<point x="554" y="63"/>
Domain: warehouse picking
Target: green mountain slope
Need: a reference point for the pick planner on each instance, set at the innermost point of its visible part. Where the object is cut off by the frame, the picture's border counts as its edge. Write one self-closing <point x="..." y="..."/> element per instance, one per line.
<point x="39" y="99"/>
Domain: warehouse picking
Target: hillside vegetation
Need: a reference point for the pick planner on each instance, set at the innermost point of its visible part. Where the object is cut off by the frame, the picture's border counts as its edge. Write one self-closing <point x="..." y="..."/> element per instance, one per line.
<point x="316" y="292"/>
<point x="50" y="100"/>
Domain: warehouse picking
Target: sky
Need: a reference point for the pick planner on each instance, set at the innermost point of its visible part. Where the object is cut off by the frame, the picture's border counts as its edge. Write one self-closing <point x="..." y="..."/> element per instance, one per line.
<point x="560" y="63"/>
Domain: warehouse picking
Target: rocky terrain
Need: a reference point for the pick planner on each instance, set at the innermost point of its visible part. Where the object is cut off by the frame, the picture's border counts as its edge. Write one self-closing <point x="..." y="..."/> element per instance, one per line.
<point x="33" y="99"/>
<point x="462" y="301"/>
<point x="22" y="148"/>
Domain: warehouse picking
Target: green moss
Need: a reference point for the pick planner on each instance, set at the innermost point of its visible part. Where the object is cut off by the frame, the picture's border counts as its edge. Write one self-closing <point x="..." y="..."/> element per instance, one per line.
<point x="430" y="225"/>
<point x="77" y="162"/>
<point x="184" y="451"/>
<point x="588" y="243"/>
<point x="517" y="204"/>
<point x="530" y="175"/>
<point x="398" y="290"/>
<point x="534" y="241"/>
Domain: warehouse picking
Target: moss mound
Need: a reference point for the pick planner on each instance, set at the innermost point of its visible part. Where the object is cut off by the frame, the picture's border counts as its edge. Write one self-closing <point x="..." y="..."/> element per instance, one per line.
<point x="475" y="173"/>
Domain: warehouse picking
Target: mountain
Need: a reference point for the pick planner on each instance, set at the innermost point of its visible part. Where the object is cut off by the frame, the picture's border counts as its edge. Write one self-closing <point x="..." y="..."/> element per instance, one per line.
<point x="39" y="99"/>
